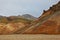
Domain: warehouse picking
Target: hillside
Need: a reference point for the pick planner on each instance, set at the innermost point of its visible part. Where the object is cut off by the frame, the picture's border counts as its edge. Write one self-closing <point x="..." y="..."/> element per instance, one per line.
<point x="28" y="16"/>
<point x="48" y="23"/>
<point x="9" y="25"/>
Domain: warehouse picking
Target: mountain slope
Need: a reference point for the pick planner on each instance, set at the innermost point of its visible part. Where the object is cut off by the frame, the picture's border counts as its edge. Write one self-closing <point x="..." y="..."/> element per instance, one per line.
<point x="10" y="24"/>
<point x="28" y="16"/>
<point x="48" y="23"/>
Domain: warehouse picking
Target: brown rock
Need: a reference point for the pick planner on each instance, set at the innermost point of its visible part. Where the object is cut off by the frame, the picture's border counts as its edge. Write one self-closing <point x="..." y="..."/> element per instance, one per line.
<point x="48" y="23"/>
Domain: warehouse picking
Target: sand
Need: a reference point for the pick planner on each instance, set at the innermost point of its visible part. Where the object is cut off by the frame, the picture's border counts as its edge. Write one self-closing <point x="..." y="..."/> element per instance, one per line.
<point x="29" y="37"/>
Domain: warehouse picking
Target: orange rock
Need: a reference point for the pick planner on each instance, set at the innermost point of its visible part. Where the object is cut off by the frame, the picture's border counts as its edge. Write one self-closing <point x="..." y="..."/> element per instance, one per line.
<point x="49" y="22"/>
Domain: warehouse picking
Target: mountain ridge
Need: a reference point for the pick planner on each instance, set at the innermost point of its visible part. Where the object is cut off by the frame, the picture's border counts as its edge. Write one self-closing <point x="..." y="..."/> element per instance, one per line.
<point x="40" y="29"/>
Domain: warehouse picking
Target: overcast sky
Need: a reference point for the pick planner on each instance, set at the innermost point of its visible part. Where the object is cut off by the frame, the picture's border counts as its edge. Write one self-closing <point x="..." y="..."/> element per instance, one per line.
<point x="19" y="7"/>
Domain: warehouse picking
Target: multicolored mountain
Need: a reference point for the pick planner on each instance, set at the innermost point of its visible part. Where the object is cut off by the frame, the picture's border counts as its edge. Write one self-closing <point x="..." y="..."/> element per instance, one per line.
<point x="47" y="23"/>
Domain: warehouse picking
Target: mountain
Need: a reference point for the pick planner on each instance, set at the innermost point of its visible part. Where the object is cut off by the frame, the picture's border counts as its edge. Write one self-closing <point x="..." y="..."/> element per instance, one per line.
<point x="28" y="16"/>
<point x="48" y="23"/>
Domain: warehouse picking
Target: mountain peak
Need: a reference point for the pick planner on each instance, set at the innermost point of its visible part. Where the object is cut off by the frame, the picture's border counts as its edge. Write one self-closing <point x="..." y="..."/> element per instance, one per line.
<point x="28" y="16"/>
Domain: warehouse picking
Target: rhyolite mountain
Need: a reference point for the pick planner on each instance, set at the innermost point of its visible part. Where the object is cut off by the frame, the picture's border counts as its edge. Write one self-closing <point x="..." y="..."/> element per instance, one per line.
<point x="25" y="16"/>
<point x="48" y="23"/>
<point x="28" y="16"/>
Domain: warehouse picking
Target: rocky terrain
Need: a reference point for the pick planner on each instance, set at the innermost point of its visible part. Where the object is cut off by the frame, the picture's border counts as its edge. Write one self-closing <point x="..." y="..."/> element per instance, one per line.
<point x="8" y="25"/>
<point x="47" y="23"/>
